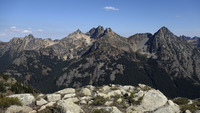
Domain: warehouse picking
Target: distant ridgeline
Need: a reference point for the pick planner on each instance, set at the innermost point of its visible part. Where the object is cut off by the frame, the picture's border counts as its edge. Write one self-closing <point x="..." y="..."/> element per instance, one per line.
<point x="100" y="57"/>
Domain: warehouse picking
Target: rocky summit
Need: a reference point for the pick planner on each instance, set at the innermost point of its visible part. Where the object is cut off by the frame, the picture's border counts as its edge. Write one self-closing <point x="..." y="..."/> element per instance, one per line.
<point x="99" y="57"/>
<point x="89" y="99"/>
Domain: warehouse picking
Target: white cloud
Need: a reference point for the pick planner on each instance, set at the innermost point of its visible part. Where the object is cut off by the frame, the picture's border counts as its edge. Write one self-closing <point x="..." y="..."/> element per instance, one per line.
<point x="13" y="27"/>
<point x="107" y="8"/>
<point x="40" y="30"/>
<point x="26" y="31"/>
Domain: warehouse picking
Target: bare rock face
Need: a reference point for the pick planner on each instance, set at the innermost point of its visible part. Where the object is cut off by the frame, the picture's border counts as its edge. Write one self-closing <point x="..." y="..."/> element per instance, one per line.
<point x="17" y="109"/>
<point x="53" y="97"/>
<point x="152" y="97"/>
<point x="86" y="91"/>
<point x="170" y="107"/>
<point x="66" y="91"/>
<point x="41" y="102"/>
<point x="69" y="107"/>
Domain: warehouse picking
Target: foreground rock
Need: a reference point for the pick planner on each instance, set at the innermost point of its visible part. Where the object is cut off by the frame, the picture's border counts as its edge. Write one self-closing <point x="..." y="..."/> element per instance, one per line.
<point x="53" y="97"/>
<point x="26" y="99"/>
<point x="109" y="98"/>
<point x="152" y="99"/>
<point x="18" y="109"/>
<point x="69" y="107"/>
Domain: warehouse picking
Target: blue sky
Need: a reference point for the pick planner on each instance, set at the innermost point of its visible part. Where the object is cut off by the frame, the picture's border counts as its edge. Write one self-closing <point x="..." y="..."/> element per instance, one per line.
<point x="57" y="18"/>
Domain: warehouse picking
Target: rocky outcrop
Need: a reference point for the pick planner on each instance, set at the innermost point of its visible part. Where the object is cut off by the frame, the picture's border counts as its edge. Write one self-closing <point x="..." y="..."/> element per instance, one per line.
<point x="96" y="32"/>
<point x="151" y="97"/>
<point x="109" y="98"/>
<point x="41" y="102"/>
<point x="18" y="109"/>
<point x="69" y="107"/>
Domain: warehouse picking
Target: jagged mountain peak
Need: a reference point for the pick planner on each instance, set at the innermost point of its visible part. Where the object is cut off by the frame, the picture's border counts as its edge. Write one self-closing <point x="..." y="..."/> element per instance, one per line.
<point x="78" y="31"/>
<point x="163" y="30"/>
<point x="76" y="35"/>
<point x="100" y="27"/>
<point x="108" y="30"/>
<point x="96" y="32"/>
<point x="30" y="36"/>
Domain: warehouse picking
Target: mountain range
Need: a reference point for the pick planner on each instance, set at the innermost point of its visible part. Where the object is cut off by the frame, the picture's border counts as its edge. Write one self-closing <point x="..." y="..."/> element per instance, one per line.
<point x="195" y="41"/>
<point x="161" y="60"/>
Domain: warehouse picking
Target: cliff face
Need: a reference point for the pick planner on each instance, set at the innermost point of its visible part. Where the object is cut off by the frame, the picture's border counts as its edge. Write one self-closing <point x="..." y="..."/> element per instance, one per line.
<point x="101" y="56"/>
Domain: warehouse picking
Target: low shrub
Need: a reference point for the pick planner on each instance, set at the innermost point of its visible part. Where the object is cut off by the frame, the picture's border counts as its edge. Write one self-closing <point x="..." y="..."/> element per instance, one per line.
<point x="7" y="101"/>
<point x="146" y="88"/>
<point x="2" y="88"/>
<point x="197" y="103"/>
<point x="52" y="109"/>
<point x="181" y="101"/>
<point x="190" y="107"/>
<point x="100" y="111"/>
<point x="99" y="100"/>
<point x="138" y="101"/>
<point x="131" y="99"/>
<point x="5" y="77"/>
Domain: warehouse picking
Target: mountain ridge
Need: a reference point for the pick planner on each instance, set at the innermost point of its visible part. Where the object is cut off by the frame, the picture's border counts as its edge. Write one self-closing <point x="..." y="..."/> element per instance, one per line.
<point x="101" y="56"/>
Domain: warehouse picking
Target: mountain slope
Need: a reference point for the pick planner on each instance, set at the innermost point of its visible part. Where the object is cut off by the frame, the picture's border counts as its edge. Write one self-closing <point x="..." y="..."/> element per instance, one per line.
<point x="9" y="85"/>
<point x="101" y="56"/>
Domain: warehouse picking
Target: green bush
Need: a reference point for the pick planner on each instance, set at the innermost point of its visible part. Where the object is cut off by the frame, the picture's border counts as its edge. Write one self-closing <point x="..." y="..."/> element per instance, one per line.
<point x="146" y="88"/>
<point x="137" y="102"/>
<point x="183" y="104"/>
<point x="5" y="77"/>
<point x="100" y="111"/>
<point x="181" y="101"/>
<point x="7" y="101"/>
<point x="197" y="103"/>
<point x="121" y="104"/>
<point x="132" y="101"/>
<point x="190" y="107"/>
<point x="2" y="88"/>
<point x="99" y="100"/>
<point x="116" y="97"/>
<point x="19" y="87"/>
<point x="52" y="109"/>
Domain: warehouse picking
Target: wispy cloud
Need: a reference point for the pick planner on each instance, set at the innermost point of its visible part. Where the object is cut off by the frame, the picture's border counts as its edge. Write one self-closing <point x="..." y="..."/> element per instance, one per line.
<point x="108" y="8"/>
<point x="26" y="31"/>
<point x="13" y="27"/>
